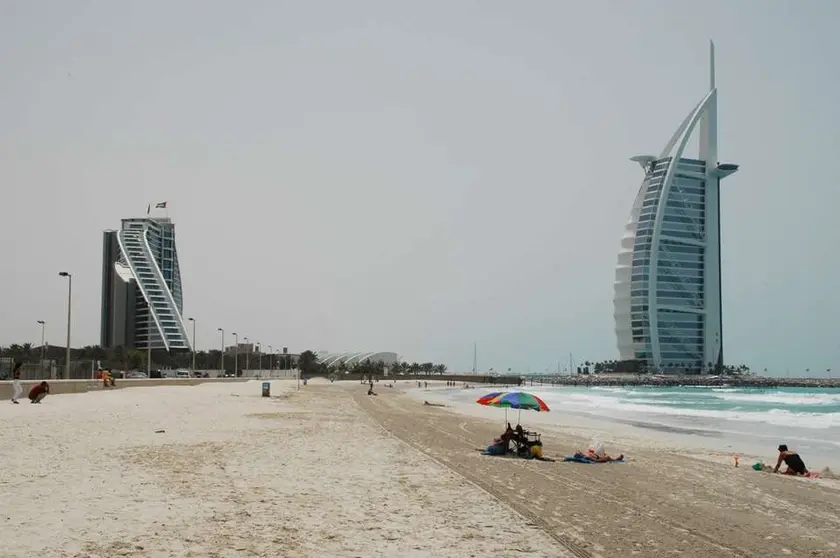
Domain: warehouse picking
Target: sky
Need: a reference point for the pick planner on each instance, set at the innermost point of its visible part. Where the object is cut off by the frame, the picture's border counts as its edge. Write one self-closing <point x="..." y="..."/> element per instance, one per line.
<point x="415" y="177"/>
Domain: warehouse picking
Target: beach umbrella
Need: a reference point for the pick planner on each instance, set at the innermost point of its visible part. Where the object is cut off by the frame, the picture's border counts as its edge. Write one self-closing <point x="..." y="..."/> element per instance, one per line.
<point x="518" y="400"/>
<point x="490" y="397"/>
<point x="484" y="400"/>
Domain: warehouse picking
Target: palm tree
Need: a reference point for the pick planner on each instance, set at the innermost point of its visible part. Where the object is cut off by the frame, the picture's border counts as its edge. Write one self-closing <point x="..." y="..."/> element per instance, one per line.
<point x="14" y="350"/>
<point x="307" y="362"/>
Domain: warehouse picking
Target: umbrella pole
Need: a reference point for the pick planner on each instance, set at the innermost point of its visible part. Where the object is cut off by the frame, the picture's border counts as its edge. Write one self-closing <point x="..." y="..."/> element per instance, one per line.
<point x="506" y="421"/>
<point x="519" y="420"/>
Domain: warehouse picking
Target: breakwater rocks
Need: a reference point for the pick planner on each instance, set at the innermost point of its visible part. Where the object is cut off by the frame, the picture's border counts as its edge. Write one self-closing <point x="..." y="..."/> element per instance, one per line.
<point x="622" y="380"/>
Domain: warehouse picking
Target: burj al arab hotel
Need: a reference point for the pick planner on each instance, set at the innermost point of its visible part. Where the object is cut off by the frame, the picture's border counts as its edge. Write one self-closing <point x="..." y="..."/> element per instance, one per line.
<point x="667" y="301"/>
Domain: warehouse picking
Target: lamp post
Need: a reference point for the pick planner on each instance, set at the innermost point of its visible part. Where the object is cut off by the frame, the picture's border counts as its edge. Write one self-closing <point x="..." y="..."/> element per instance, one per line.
<point x="259" y="354"/>
<point x="222" y="357"/>
<point x="193" y="343"/>
<point x="69" y="315"/>
<point x="236" y="355"/>
<point x="247" y="354"/>
<point x="43" y="324"/>
<point x="270" y="361"/>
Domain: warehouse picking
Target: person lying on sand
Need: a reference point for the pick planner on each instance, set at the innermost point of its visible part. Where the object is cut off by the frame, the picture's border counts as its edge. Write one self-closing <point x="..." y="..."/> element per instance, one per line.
<point x="433" y="404"/>
<point x="592" y="455"/>
<point x="795" y="465"/>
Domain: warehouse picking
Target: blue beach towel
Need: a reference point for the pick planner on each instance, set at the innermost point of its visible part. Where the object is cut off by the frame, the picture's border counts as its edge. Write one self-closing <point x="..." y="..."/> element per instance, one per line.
<point x="585" y="460"/>
<point x="494" y="450"/>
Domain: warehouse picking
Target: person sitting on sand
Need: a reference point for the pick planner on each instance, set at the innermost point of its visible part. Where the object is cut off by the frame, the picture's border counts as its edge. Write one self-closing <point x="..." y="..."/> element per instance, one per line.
<point x="37" y="393"/>
<point x="795" y="465"/>
<point x="507" y="436"/>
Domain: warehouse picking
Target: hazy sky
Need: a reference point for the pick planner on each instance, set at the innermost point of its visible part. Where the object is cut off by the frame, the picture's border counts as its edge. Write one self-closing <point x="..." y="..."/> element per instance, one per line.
<point x="415" y="176"/>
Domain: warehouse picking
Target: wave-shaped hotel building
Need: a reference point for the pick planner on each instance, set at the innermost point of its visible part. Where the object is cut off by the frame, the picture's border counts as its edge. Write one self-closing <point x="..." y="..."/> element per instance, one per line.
<point x="142" y="299"/>
<point x="668" y="311"/>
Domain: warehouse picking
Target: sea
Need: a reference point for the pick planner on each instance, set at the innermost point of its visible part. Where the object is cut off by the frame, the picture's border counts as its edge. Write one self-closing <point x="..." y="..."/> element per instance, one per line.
<point x="753" y="421"/>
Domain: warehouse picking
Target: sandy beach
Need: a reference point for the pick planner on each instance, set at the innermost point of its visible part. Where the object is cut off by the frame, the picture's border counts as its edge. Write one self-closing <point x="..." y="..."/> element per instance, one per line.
<point x="233" y="474"/>
<point x="215" y="470"/>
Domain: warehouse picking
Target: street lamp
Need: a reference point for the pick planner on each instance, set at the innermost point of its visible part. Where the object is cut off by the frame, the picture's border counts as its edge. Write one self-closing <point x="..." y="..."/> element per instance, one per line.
<point x="222" y="358"/>
<point x="43" y="324"/>
<point x="236" y="362"/>
<point x="259" y="353"/>
<point x="193" y="343"/>
<point x="69" y="309"/>
<point x="247" y="355"/>
<point x="270" y="361"/>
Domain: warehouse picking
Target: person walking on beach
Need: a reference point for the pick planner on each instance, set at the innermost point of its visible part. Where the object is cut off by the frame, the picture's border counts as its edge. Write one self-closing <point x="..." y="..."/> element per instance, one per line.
<point x="37" y="393"/>
<point x="795" y="465"/>
<point x="16" y="387"/>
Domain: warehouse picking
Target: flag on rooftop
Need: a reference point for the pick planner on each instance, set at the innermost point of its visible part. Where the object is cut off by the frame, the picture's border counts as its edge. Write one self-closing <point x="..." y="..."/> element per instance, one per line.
<point x="161" y="205"/>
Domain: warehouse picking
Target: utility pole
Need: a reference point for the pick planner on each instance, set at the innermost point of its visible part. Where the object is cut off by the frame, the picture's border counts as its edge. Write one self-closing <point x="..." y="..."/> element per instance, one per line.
<point x="236" y="362"/>
<point x="69" y="303"/>
<point x="43" y="324"/>
<point x="222" y="357"/>
<point x="193" y="343"/>
<point x="475" y="357"/>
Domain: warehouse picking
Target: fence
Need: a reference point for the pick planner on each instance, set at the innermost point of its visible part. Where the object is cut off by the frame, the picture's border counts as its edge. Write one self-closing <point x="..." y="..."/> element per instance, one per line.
<point x="50" y="369"/>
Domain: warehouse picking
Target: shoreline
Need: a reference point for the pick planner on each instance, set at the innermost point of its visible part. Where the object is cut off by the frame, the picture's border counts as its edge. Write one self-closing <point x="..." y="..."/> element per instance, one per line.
<point x="659" y="501"/>
<point x="218" y="470"/>
<point x="615" y="380"/>
<point x="694" y="438"/>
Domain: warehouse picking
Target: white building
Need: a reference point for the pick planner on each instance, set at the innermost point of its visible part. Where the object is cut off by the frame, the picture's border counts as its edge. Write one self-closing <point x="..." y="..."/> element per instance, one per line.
<point x="668" y="278"/>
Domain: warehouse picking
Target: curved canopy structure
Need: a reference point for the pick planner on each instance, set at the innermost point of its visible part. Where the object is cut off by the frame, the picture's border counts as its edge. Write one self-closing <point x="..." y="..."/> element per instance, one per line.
<point x="349" y="359"/>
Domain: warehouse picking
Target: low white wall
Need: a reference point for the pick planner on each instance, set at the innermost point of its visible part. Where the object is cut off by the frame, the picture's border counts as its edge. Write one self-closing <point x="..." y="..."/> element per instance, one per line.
<point x="57" y="387"/>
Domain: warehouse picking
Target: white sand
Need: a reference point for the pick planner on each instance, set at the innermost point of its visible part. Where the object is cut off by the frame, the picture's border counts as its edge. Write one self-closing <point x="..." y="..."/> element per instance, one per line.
<point x="234" y="474"/>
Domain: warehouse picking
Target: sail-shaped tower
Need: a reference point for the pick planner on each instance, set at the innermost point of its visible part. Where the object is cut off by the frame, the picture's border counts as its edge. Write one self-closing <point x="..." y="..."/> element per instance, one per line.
<point x="667" y="300"/>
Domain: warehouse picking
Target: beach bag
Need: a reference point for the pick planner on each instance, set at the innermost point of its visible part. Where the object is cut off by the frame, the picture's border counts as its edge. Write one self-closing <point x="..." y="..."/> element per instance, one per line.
<point x="536" y="450"/>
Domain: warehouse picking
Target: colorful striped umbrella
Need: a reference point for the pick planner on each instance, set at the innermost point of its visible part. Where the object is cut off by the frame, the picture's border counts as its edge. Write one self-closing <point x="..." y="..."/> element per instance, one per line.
<point x="489" y="397"/>
<point x="514" y="400"/>
<point x="518" y="400"/>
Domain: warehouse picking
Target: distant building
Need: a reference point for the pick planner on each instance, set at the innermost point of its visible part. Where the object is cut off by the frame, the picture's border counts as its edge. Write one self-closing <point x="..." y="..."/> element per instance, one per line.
<point x="243" y="349"/>
<point x="668" y="312"/>
<point x="142" y="300"/>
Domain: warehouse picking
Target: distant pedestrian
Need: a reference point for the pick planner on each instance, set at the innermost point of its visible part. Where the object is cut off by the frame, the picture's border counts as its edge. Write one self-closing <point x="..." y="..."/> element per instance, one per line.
<point x="37" y="393"/>
<point x="17" y="390"/>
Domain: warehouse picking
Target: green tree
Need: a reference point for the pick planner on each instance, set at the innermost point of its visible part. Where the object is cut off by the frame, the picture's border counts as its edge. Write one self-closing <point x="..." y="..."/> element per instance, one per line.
<point x="14" y="350"/>
<point x="135" y="359"/>
<point x="307" y="363"/>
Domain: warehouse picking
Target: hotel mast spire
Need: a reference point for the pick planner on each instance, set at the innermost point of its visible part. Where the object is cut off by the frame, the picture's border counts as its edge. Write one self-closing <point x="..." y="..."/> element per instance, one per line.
<point x="711" y="64"/>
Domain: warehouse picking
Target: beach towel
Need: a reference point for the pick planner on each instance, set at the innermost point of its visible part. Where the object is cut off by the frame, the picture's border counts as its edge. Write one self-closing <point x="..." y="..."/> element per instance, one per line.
<point x="494" y="450"/>
<point x="574" y="459"/>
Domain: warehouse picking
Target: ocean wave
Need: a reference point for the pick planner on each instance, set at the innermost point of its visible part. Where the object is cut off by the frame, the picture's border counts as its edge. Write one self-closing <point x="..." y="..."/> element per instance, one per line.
<point x="781" y="398"/>
<point x="592" y="403"/>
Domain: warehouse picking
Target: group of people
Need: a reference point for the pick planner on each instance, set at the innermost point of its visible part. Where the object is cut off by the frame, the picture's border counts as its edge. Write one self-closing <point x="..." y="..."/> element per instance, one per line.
<point x="36" y="394"/>
<point x="522" y="445"/>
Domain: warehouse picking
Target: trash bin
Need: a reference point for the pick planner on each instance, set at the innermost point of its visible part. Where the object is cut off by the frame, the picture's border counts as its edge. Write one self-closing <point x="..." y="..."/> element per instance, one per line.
<point x="266" y="389"/>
